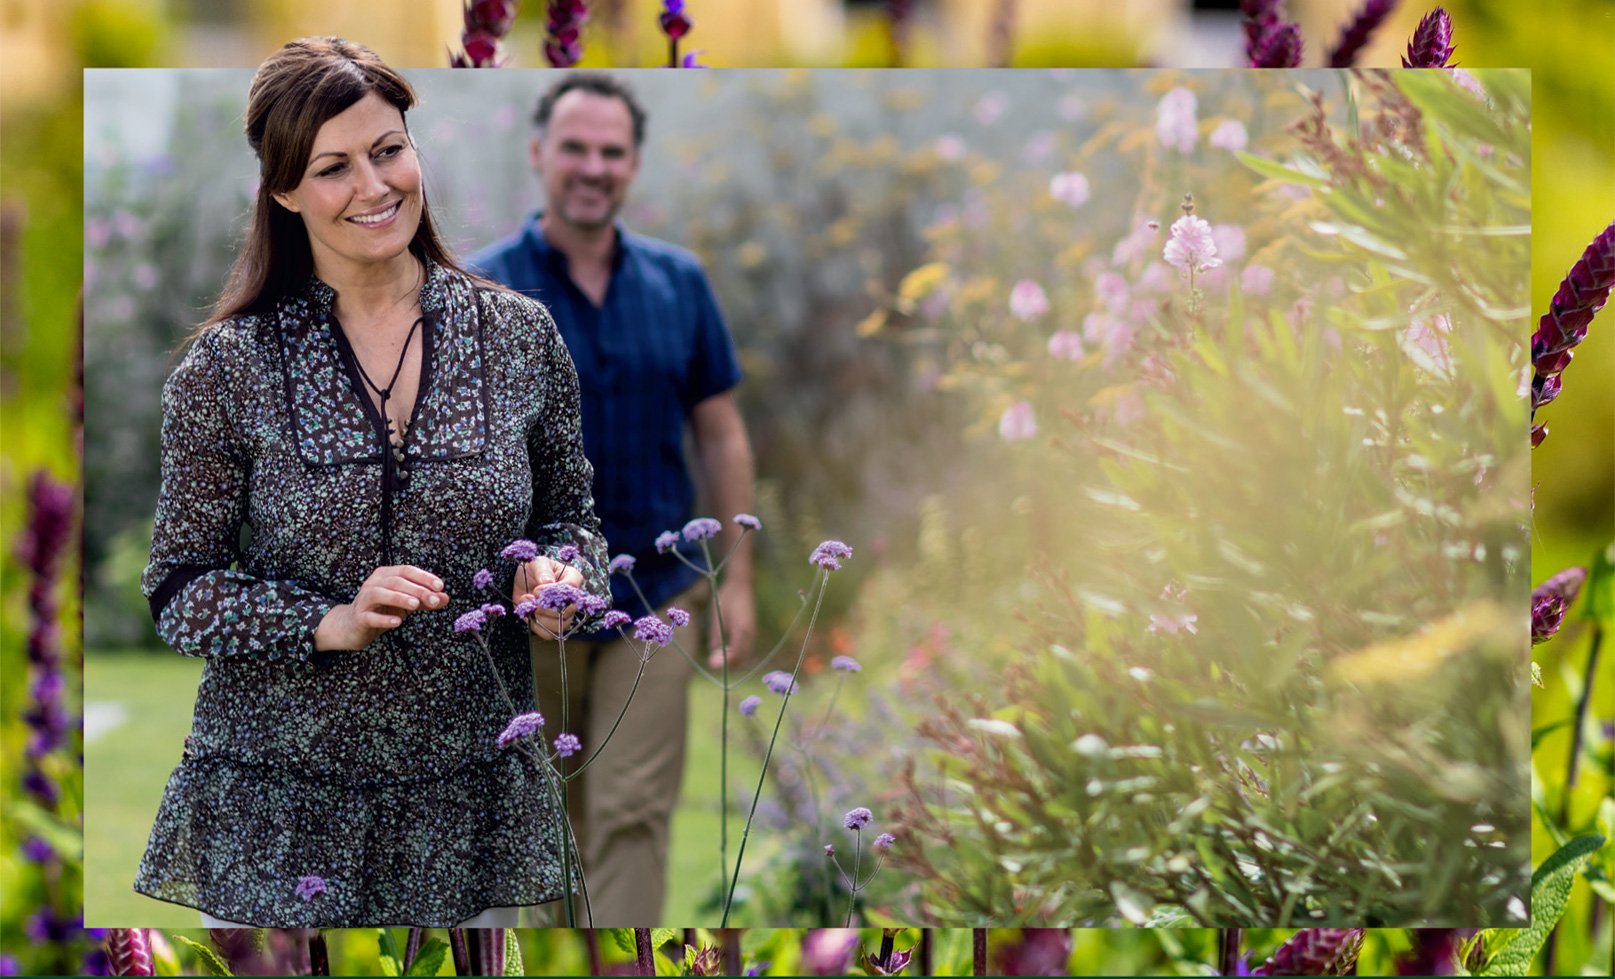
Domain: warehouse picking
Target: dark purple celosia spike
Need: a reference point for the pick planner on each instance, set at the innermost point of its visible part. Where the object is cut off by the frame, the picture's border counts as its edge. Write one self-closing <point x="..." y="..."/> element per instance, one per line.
<point x="40" y="550"/>
<point x="898" y="16"/>
<point x="1432" y="42"/>
<point x="1040" y="952"/>
<point x="1356" y="34"/>
<point x="1551" y="600"/>
<point x="1314" y="952"/>
<point x="486" y="21"/>
<point x="1279" y="47"/>
<point x="1434" y="953"/>
<point x="1581" y="295"/>
<point x="1259" y="17"/>
<point x="244" y="950"/>
<point x="490" y="951"/>
<point x="129" y="952"/>
<point x="564" y="27"/>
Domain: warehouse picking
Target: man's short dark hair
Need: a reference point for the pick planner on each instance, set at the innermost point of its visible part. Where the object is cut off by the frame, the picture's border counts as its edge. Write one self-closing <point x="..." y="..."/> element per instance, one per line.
<point x="597" y="83"/>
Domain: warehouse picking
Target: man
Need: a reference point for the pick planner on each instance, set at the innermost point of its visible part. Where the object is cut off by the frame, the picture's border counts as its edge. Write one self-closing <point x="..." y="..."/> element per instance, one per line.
<point x="653" y="356"/>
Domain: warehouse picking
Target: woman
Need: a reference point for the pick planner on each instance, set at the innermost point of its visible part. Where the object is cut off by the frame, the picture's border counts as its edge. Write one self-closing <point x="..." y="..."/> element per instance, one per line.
<point x="382" y="425"/>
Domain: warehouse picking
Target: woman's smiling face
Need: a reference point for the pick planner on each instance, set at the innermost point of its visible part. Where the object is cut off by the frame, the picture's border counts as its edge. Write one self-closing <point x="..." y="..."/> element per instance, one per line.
<point x="360" y="196"/>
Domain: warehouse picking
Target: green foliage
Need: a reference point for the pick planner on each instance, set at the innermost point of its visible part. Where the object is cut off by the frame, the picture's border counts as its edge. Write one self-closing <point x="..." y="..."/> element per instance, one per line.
<point x="1509" y="952"/>
<point x="429" y="960"/>
<point x="206" y="959"/>
<point x="1266" y="673"/>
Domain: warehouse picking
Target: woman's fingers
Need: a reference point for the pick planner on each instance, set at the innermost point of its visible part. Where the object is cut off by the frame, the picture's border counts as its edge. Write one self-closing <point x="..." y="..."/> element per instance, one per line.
<point x="377" y="619"/>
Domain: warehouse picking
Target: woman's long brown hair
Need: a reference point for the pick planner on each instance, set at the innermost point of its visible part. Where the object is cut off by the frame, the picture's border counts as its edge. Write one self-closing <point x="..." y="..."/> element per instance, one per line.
<point x="293" y="94"/>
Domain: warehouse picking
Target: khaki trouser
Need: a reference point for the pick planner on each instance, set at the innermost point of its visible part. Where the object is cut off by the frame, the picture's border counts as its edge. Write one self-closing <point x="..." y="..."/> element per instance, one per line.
<point x="621" y="808"/>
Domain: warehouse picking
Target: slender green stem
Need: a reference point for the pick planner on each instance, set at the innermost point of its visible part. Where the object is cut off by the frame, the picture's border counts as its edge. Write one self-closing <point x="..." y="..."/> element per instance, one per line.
<point x="569" y="776"/>
<point x="729" y="898"/>
<point x="1573" y="765"/>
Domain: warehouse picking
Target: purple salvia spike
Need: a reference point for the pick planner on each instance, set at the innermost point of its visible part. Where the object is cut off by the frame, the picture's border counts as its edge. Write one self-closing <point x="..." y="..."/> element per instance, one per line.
<point x="1551" y="600"/>
<point x="1432" y="42"/>
<point x="1356" y="34"/>
<point x="1280" y="47"/>
<point x="1315" y="952"/>
<point x="1581" y="295"/>
<point x="129" y="952"/>
<point x="1260" y="17"/>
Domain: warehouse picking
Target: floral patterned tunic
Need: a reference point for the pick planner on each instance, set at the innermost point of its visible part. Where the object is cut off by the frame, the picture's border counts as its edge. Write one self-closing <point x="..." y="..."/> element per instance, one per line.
<point x="375" y="770"/>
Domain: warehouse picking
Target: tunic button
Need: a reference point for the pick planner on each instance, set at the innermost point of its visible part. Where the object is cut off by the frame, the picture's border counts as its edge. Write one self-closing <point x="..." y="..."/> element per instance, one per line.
<point x="398" y="454"/>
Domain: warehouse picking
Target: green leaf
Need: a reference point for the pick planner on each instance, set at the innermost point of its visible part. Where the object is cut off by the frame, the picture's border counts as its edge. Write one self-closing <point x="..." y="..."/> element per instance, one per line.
<point x="1550" y="892"/>
<point x="661" y="936"/>
<point x="206" y="958"/>
<point x="1539" y="733"/>
<point x="1276" y="171"/>
<point x="1598" y="591"/>
<point x="391" y="964"/>
<point x="429" y="959"/>
<point x="624" y="937"/>
<point x="513" y="954"/>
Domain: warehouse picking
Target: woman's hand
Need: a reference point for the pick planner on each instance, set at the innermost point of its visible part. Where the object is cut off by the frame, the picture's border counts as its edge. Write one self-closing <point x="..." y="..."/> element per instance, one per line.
<point x="532" y="578"/>
<point x="386" y="598"/>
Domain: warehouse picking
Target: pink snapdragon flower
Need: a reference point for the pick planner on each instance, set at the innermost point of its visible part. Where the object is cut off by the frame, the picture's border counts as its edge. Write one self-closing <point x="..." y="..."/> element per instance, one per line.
<point x="1229" y="135"/>
<point x="1017" y="422"/>
<point x="1027" y="300"/>
<point x="1069" y="188"/>
<point x="1175" y="121"/>
<point x="1191" y="247"/>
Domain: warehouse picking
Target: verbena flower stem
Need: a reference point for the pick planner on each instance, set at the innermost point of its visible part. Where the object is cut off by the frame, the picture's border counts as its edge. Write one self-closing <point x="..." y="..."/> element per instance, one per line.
<point x="569" y="776"/>
<point x="643" y="959"/>
<point x="1573" y="764"/>
<point x="723" y="742"/>
<point x="319" y="957"/>
<point x="412" y="946"/>
<point x="857" y="860"/>
<point x="729" y="898"/>
<point x="1228" y="951"/>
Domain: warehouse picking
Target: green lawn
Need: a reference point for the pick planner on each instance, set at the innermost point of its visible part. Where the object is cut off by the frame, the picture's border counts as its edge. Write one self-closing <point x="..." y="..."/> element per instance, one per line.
<point x="125" y="770"/>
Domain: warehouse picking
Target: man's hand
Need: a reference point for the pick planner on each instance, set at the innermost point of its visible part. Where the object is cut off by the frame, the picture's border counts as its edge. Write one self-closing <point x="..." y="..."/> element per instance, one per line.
<point x="531" y="579"/>
<point x="739" y="623"/>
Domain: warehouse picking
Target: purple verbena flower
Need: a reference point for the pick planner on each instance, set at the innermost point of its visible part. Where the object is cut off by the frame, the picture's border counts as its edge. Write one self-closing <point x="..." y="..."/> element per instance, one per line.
<point x="666" y="541"/>
<point x="558" y="596"/>
<point x="702" y="528"/>
<point x="749" y="706"/>
<point x="857" y="818"/>
<point x="846" y="664"/>
<point x="779" y="682"/>
<point x="482" y="579"/>
<point x="748" y="521"/>
<point x="615" y="619"/>
<point x="470" y="621"/>
<point x="566" y="553"/>
<point x="650" y="629"/>
<point x="526" y="607"/>
<point x="829" y="850"/>
<point x="521" y="726"/>
<point x="830" y="554"/>
<point x="567" y="744"/>
<point x="492" y="610"/>
<point x="520" y="550"/>
<point x="310" y="887"/>
<point x="884" y="841"/>
<point x="1431" y="44"/>
<point x="621" y="564"/>
<point x="678" y="617"/>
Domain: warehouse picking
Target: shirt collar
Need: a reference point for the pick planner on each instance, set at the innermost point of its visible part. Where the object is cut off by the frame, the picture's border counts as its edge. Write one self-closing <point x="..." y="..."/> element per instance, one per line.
<point x="555" y="259"/>
<point x="334" y="426"/>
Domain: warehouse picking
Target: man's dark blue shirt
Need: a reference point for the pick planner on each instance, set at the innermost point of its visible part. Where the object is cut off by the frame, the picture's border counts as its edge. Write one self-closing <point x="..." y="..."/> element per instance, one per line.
<point x="653" y="350"/>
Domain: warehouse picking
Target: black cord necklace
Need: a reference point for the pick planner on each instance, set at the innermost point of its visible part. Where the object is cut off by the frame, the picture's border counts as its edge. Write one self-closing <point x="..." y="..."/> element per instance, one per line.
<point x="386" y="392"/>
